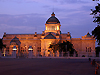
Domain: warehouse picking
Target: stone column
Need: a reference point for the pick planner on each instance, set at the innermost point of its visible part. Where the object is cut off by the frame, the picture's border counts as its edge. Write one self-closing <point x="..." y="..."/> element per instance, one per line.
<point x="44" y="54"/>
<point x="53" y="55"/>
<point x="38" y="54"/>
<point x="80" y="54"/>
<point x="4" y="53"/>
<point x="74" y="54"/>
<point x="57" y="53"/>
<point x="62" y="53"/>
<point x="35" y="52"/>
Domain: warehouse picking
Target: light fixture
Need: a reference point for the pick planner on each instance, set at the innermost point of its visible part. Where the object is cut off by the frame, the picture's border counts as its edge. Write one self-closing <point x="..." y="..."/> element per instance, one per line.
<point x="30" y="48"/>
<point x="14" y="48"/>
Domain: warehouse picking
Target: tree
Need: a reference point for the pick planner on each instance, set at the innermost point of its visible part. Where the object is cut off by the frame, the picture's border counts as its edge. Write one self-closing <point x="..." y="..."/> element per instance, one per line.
<point x="96" y="33"/>
<point x="2" y="45"/>
<point x="54" y="47"/>
<point x="97" y="51"/>
<point x="96" y="16"/>
<point x="65" y="46"/>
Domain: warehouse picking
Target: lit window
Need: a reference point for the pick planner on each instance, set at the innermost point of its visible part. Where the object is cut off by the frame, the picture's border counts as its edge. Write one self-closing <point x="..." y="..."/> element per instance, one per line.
<point x="57" y="27"/>
<point x="46" y="27"/>
<point x="53" y="27"/>
<point x="86" y="49"/>
<point x="49" y="43"/>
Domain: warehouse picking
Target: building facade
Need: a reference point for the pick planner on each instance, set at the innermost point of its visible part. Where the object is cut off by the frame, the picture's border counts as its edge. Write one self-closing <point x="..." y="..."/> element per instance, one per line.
<point x="40" y="42"/>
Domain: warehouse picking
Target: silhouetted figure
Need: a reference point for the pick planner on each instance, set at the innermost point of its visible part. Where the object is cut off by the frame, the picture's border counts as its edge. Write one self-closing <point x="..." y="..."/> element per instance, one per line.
<point x="89" y="59"/>
<point x="93" y="62"/>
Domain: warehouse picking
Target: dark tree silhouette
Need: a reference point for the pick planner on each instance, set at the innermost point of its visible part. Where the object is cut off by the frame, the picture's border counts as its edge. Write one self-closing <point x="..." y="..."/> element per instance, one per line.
<point x="65" y="46"/>
<point x="96" y="16"/>
<point x="97" y="51"/>
<point x="96" y="33"/>
<point x="1" y="44"/>
<point x="54" y="47"/>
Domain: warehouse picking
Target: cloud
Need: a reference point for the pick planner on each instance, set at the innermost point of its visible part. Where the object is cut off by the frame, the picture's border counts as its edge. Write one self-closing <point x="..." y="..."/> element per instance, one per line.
<point x="27" y="23"/>
<point x="17" y="1"/>
<point x="73" y="15"/>
<point x="73" y="7"/>
<point x="62" y="2"/>
<point x="24" y="1"/>
<point x="74" y="1"/>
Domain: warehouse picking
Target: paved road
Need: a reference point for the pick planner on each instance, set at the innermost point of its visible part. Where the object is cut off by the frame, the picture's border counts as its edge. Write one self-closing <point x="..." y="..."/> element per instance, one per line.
<point x="46" y="66"/>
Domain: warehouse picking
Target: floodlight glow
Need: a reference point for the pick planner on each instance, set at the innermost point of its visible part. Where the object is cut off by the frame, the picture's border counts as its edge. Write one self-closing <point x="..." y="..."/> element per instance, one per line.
<point x="14" y="49"/>
<point x="57" y="27"/>
<point x="30" y="49"/>
<point x="46" y="27"/>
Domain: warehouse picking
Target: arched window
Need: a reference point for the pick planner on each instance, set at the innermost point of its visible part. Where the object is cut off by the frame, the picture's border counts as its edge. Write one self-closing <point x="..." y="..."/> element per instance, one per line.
<point x="86" y="49"/>
<point x="90" y="49"/>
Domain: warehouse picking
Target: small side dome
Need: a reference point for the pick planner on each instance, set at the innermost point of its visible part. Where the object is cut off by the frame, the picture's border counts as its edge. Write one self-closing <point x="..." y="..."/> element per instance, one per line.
<point x="52" y="19"/>
<point x="88" y="34"/>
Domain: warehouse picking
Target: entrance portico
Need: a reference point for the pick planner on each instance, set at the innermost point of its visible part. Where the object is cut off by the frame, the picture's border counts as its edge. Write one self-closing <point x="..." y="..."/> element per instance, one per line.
<point x="45" y="44"/>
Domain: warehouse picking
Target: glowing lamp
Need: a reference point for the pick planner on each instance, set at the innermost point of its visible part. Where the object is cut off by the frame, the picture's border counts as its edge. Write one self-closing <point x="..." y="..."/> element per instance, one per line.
<point x="46" y="27"/>
<point x="57" y="27"/>
<point x="30" y="48"/>
<point x="14" y="48"/>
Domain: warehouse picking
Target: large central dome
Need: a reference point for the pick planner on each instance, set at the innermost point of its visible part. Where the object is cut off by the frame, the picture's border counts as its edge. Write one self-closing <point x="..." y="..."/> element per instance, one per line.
<point x="52" y="19"/>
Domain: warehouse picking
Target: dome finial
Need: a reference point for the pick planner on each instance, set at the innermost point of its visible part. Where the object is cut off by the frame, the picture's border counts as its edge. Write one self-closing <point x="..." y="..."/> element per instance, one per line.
<point x="52" y="14"/>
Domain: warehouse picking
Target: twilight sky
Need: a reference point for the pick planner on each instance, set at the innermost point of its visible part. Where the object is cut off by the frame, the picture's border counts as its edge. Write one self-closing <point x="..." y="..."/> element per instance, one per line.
<point x="28" y="16"/>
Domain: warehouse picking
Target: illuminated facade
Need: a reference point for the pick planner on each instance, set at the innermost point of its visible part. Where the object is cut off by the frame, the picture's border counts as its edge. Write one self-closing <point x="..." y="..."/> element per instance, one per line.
<point x="40" y="42"/>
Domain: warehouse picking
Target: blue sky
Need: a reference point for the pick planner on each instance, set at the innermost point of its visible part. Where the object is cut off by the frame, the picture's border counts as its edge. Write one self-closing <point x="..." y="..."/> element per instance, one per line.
<point x="28" y="16"/>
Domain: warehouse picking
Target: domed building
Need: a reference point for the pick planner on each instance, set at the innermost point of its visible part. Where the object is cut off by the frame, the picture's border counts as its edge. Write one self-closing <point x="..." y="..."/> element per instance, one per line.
<point x="40" y="43"/>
